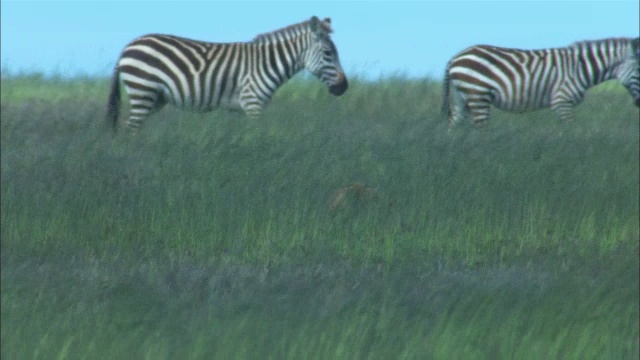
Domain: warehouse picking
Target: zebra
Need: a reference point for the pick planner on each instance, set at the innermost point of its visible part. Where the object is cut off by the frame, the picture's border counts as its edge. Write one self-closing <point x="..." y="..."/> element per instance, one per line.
<point x="199" y="76"/>
<point x="524" y="80"/>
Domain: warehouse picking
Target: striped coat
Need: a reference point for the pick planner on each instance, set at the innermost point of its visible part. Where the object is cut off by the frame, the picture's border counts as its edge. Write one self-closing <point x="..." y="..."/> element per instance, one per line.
<point x="201" y="76"/>
<point x="524" y="80"/>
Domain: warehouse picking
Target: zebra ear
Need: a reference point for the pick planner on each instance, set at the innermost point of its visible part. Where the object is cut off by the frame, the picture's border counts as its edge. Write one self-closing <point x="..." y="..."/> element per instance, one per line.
<point x="326" y="24"/>
<point x="320" y="27"/>
<point x="314" y="24"/>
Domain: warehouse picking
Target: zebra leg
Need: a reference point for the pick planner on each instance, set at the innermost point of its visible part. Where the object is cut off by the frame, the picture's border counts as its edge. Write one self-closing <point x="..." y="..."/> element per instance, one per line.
<point x="252" y="111"/>
<point x="480" y="110"/>
<point x="144" y="101"/>
<point x="456" y="115"/>
<point x="479" y="104"/>
<point x="565" y="99"/>
<point x="564" y="109"/>
<point x="250" y="103"/>
<point x="457" y="108"/>
<point x="142" y="105"/>
<point x="140" y="110"/>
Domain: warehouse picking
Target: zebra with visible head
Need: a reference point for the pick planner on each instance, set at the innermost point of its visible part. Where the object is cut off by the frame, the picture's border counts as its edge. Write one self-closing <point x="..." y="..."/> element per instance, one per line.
<point x="524" y="80"/>
<point x="201" y="76"/>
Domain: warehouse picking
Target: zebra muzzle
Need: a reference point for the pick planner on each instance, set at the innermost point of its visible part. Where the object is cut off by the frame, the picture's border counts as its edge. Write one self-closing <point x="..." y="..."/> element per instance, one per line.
<point x="339" y="88"/>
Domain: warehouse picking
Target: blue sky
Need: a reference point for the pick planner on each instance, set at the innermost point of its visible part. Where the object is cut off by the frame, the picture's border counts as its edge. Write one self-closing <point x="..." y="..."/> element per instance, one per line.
<point x="374" y="38"/>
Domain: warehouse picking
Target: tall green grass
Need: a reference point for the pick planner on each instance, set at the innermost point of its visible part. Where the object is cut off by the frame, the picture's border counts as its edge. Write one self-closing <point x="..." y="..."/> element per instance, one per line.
<point x="215" y="235"/>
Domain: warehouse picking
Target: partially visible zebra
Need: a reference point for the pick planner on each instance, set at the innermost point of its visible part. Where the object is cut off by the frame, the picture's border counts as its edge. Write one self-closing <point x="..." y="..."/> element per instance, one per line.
<point x="201" y="76"/>
<point x="524" y="80"/>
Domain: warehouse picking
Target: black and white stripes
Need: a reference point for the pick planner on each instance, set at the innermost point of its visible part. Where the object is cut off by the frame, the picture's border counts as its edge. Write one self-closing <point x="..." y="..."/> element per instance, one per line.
<point x="524" y="80"/>
<point x="201" y="76"/>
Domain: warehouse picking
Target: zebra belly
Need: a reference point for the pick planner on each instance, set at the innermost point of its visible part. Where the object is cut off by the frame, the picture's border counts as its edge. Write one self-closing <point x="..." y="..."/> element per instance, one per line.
<point x="522" y="104"/>
<point x="203" y="106"/>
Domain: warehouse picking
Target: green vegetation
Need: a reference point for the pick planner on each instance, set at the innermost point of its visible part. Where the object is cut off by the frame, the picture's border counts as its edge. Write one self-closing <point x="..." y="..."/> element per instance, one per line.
<point x="338" y="228"/>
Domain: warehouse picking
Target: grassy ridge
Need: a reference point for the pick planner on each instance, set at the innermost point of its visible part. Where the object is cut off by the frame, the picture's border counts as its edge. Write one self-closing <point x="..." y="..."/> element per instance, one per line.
<point x="346" y="227"/>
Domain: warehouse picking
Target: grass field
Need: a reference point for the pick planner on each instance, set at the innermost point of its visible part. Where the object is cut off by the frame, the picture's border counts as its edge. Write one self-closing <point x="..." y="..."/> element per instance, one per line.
<point x="334" y="228"/>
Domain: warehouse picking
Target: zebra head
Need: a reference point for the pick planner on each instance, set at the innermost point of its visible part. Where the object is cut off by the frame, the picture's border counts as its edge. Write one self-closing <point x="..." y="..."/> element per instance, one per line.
<point x="321" y="57"/>
<point x="629" y="71"/>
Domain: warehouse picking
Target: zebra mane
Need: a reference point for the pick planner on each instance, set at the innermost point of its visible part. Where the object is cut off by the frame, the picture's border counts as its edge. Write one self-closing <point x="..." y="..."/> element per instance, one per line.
<point x="607" y="41"/>
<point x="294" y="30"/>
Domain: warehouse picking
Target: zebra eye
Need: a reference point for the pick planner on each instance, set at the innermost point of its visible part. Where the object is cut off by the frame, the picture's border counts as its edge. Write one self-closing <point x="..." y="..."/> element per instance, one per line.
<point x="327" y="53"/>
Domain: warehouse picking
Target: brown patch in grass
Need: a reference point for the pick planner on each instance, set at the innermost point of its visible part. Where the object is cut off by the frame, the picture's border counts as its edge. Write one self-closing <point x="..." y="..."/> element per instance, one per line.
<point x="357" y="191"/>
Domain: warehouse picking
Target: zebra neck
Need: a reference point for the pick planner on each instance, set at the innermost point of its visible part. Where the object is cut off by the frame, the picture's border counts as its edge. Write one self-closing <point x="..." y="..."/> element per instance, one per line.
<point x="278" y="63"/>
<point x="595" y="67"/>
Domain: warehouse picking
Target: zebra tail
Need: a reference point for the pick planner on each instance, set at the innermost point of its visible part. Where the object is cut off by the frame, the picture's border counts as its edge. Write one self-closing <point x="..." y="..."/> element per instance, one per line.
<point x="113" y="105"/>
<point x="445" y="93"/>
